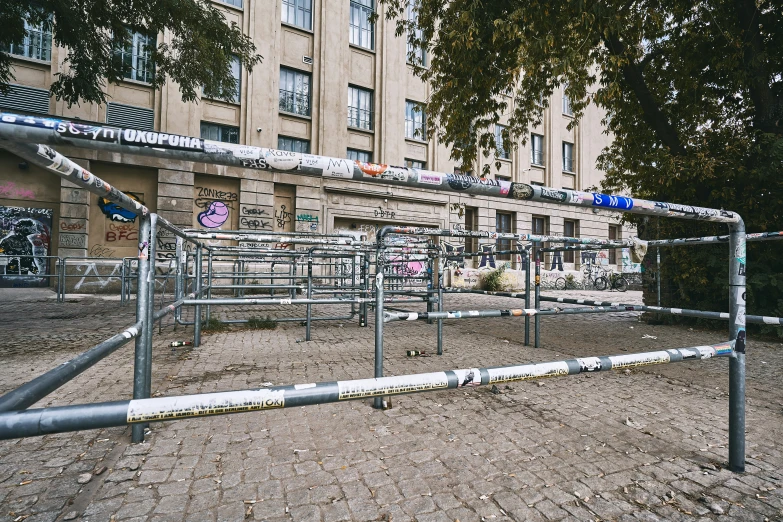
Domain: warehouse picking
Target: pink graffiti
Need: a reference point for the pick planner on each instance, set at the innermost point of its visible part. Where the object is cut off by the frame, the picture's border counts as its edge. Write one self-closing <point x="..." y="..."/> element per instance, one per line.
<point x="11" y="191"/>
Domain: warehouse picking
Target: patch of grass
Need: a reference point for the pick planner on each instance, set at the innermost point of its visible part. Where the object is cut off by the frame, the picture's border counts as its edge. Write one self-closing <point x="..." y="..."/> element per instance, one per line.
<point x="214" y="325"/>
<point x="262" y="323"/>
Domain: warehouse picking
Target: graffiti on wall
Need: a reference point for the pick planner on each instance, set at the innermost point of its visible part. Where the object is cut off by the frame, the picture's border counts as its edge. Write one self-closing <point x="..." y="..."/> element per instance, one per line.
<point x="487" y="257"/>
<point x="306" y="223"/>
<point x="283" y="216"/>
<point x="24" y="234"/>
<point x="114" y="212"/>
<point x="11" y="190"/>
<point x="628" y="265"/>
<point x="255" y="218"/>
<point x="557" y="261"/>
<point x="454" y="257"/>
<point x="215" y="204"/>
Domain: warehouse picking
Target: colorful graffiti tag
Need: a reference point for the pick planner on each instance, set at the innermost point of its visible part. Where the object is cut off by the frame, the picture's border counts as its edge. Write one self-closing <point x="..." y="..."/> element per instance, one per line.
<point x="25" y="234"/>
<point x="214" y="216"/>
<point x="114" y="212"/>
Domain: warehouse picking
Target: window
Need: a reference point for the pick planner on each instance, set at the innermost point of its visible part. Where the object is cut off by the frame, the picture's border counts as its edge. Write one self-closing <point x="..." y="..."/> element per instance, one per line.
<point x="135" y="56"/>
<point x="567" y="105"/>
<point x="293" y="144"/>
<point x="359" y="155"/>
<point x="235" y="3"/>
<point x="130" y="116"/>
<point x="417" y="53"/>
<point x="568" y="157"/>
<point x="298" y="13"/>
<point x="614" y="235"/>
<point x="537" y="149"/>
<point x="471" y="223"/>
<point x="362" y="31"/>
<point x="415" y="164"/>
<point x="540" y="226"/>
<point x="502" y="152"/>
<point x="570" y="229"/>
<point x="215" y="132"/>
<point x="503" y="224"/>
<point x="37" y="43"/>
<point x="463" y="171"/>
<point x="236" y="72"/>
<point x="415" y="122"/>
<point x="294" y="92"/>
<point x="359" y="108"/>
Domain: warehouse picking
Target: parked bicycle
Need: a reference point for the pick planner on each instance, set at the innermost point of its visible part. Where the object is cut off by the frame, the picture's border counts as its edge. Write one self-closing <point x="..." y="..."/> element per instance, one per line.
<point x="594" y="275"/>
<point x="613" y="281"/>
<point x="568" y="282"/>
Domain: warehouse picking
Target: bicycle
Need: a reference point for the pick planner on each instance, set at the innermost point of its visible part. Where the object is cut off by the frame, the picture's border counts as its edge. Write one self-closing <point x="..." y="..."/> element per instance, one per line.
<point x="613" y="281"/>
<point x="563" y="283"/>
<point x="594" y="274"/>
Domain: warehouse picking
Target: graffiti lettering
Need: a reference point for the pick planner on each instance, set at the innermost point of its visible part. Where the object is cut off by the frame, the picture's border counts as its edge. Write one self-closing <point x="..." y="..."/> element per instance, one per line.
<point x="254" y="211"/>
<point x="283" y="216"/>
<point x="101" y="251"/>
<point x="91" y="275"/>
<point x="73" y="240"/>
<point x="71" y="226"/>
<point x="554" y="195"/>
<point x="380" y="212"/>
<point x="169" y="141"/>
<point x="11" y="191"/>
<point x="255" y="224"/>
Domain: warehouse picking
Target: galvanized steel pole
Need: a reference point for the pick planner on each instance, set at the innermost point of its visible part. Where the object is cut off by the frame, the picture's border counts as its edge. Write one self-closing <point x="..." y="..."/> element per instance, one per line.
<point x="197" y="289"/>
<point x="737" y="268"/>
<point x="142" y="316"/>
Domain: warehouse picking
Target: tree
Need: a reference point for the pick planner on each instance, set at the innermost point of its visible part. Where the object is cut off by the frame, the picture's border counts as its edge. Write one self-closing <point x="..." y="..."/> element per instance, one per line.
<point x="199" y="54"/>
<point x="693" y="94"/>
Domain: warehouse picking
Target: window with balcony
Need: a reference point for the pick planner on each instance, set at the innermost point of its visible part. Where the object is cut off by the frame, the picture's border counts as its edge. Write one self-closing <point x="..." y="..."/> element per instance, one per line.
<point x="570" y="229"/>
<point x="362" y="31"/>
<point x="216" y="132"/>
<point x="136" y="57"/>
<point x="415" y="164"/>
<point x="537" y="150"/>
<point x="502" y="153"/>
<point x="37" y="43"/>
<point x="568" y="157"/>
<point x="293" y="144"/>
<point x="359" y="108"/>
<point x="359" y="155"/>
<point x="294" y="92"/>
<point x="415" y="120"/>
<point x="417" y="53"/>
<point x="504" y="223"/>
<point x="298" y="13"/>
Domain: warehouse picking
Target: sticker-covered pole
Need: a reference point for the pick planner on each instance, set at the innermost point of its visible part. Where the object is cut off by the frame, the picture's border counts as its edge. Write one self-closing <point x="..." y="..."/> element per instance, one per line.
<point x="737" y="267"/>
<point x="378" y="403"/>
<point x="149" y="322"/>
<point x="140" y="359"/>
<point x="537" y="304"/>
<point x="526" y="253"/>
<point x="440" y="305"/>
<point x="309" y="296"/>
<point x="364" y="282"/>
<point x="197" y="289"/>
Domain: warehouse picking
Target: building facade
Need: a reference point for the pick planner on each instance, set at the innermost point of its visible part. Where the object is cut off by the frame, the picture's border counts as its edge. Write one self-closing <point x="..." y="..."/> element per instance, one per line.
<point x="331" y="83"/>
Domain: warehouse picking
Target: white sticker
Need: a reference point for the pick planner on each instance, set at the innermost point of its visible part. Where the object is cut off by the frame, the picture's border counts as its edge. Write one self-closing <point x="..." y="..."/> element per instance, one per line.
<point x="707" y="352"/>
<point x="130" y="332"/>
<point x="167" y="408"/>
<point x="770" y="320"/>
<point x="338" y="168"/>
<point x="724" y="315"/>
<point x="285" y="301"/>
<point x="639" y="359"/>
<point x="473" y="313"/>
<point x="391" y="385"/>
<point x="530" y="311"/>
<point x="527" y="371"/>
<point x="676" y="310"/>
<point x="589" y="364"/>
<point x="412" y="316"/>
<point x="470" y="377"/>
<point x="430" y="178"/>
<point x="4" y="260"/>
<point x="304" y="386"/>
<point x="282" y="159"/>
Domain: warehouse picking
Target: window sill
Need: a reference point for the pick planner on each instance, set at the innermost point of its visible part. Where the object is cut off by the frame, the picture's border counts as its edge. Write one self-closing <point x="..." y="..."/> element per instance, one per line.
<point x="135" y="82"/>
<point x="296" y="27"/>
<point x="360" y="129"/>
<point x="30" y="60"/>
<point x="569" y="172"/>
<point x="417" y="141"/>
<point x="569" y="116"/>
<point x="218" y="100"/>
<point x="295" y="115"/>
<point x="504" y="160"/>
<point x="360" y="48"/>
<point x="538" y="166"/>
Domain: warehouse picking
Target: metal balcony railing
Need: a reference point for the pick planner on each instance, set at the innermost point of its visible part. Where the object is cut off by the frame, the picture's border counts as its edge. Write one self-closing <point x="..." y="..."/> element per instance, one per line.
<point x="360" y="118"/>
<point x="537" y="157"/>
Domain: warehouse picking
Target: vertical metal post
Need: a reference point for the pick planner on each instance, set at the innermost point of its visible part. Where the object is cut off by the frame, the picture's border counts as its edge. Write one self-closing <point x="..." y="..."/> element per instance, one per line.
<point x="378" y="324"/>
<point x="179" y="283"/>
<point x="292" y="273"/>
<point x="537" y="305"/>
<point x="209" y="281"/>
<point x="737" y="267"/>
<point x="309" y="295"/>
<point x="140" y="363"/>
<point x="197" y="289"/>
<point x="658" y="272"/>
<point x="430" y="286"/>
<point x="364" y="283"/>
<point x="61" y="281"/>
<point x="527" y="295"/>
<point x="149" y="324"/>
<point x="440" y="305"/>
<point x="123" y="282"/>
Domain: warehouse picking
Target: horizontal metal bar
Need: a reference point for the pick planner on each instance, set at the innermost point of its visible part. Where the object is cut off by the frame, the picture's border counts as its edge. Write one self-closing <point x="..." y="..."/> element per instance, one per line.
<point x="103" y="415"/>
<point x="35" y="390"/>
<point x="57" y="131"/>
<point x="514" y="312"/>
<point x="755" y="319"/>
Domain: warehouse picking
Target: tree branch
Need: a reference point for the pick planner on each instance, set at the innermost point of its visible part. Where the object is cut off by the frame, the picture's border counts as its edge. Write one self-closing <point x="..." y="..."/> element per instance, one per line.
<point x="652" y="114"/>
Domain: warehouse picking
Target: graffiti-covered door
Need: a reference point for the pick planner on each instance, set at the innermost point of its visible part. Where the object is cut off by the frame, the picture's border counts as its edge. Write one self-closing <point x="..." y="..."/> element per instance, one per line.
<point x="285" y="208"/>
<point x="25" y="233"/>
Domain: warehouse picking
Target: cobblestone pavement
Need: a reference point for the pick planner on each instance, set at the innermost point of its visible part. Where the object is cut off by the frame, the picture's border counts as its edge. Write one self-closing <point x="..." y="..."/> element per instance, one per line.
<point x="649" y="444"/>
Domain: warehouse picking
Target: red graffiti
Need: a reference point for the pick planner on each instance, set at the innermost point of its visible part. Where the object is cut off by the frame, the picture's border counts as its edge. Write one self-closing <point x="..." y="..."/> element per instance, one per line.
<point x="122" y="233"/>
<point x="71" y="226"/>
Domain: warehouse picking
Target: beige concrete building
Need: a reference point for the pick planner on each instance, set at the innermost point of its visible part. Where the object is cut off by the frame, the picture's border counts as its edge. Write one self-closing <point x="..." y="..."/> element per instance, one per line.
<point x="331" y="84"/>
